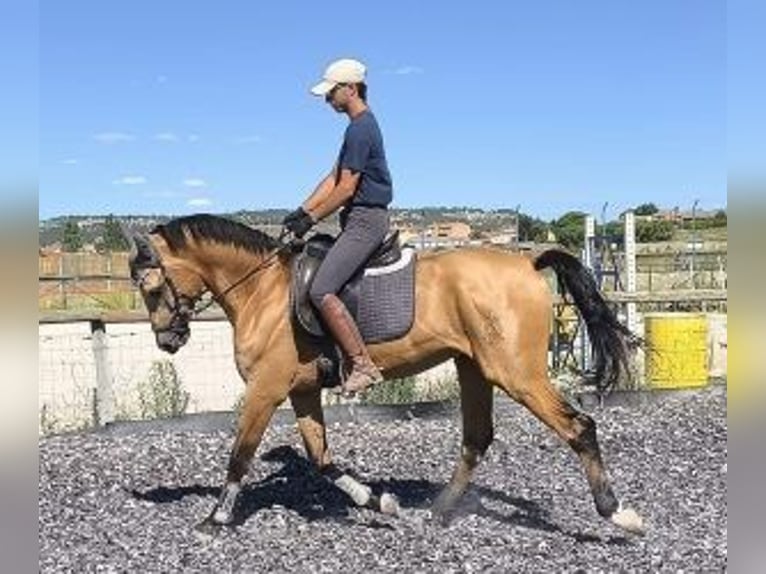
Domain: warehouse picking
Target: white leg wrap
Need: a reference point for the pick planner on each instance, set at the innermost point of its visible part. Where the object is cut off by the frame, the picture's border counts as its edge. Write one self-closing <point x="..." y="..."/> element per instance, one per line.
<point x="629" y="520"/>
<point x="223" y="513"/>
<point x="389" y="504"/>
<point x="359" y="493"/>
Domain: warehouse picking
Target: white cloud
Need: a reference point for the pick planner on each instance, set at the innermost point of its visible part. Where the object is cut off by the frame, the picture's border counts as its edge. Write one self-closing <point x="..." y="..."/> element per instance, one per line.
<point x="70" y="161"/>
<point x="195" y="182"/>
<point x="199" y="202"/>
<point x="130" y="180"/>
<point x="166" y="137"/>
<point x="192" y="138"/>
<point x="407" y="70"/>
<point x="162" y="79"/>
<point x="249" y="139"/>
<point x="113" y="137"/>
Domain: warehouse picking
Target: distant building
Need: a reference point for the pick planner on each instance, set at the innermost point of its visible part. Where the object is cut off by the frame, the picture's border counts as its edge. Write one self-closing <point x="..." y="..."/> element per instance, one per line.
<point x="677" y="215"/>
<point x="453" y="230"/>
<point x="501" y="239"/>
<point x="407" y="233"/>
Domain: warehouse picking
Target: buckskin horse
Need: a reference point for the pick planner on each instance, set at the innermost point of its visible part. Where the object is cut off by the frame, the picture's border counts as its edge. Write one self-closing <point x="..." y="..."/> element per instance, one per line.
<point x="487" y="309"/>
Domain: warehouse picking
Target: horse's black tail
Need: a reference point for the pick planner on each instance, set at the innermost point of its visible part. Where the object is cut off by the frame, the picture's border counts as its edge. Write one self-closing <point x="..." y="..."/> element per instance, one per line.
<point x="608" y="337"/>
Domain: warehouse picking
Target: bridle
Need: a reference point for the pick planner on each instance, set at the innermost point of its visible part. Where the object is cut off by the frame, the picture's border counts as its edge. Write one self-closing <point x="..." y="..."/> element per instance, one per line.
<point x="181" y="306"/>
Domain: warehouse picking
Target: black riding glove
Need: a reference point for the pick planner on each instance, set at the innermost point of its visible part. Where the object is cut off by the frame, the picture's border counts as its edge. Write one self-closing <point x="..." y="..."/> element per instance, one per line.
<point x="299" y="222"/>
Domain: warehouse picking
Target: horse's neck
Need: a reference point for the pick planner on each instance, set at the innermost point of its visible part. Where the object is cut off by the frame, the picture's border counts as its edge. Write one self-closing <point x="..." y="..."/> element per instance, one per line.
<point x="232" y="275"/>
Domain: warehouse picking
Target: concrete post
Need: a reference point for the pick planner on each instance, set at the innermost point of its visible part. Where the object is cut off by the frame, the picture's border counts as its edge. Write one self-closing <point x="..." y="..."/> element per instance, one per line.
<point x="590" y="234"/>
<point x="104" y="411"/>
<point x="630" y="267"/>
<point x="588" y="260"/>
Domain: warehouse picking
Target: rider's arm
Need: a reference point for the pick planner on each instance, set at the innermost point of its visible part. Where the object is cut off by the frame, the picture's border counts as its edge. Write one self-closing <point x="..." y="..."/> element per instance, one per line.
<point x="322" y="190"/>
<point x="329" y="196"/>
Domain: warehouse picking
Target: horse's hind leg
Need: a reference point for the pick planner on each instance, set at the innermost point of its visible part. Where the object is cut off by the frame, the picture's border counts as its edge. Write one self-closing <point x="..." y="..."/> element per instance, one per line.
<point x="476" y="407"/>
<point x="579" y="431"/>
<point x="308" y="411"/>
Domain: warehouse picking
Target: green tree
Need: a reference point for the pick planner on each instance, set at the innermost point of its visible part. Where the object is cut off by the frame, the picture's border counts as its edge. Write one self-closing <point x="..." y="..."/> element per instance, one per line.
<point x="72" y="240"/>
<point x="614" y="230"/>
<point x="720" y="218"/>
<point x="652" y="231"/>
<point x="531" y="228"/>
<point x="570" y="229"/>
<point x="113" y="238"/>
<point x="646" y="209"/>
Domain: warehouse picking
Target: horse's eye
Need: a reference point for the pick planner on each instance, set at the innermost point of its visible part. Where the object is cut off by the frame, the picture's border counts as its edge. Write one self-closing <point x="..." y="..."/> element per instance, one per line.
<point x="153" y="297"/>
<point x="154" y="292"/>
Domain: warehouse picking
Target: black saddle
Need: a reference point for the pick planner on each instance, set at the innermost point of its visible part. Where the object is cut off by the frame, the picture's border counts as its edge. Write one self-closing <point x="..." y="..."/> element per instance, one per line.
<point x="360" y="292"/>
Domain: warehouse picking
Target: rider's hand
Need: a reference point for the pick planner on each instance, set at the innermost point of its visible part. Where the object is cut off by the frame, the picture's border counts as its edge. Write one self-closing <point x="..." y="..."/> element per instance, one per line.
<point x="294" y="215"/>
<point x="298" y="222"/>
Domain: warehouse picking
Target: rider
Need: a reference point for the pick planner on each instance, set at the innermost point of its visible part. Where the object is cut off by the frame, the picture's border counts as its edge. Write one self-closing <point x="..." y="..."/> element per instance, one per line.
<point x="360" y="185"/>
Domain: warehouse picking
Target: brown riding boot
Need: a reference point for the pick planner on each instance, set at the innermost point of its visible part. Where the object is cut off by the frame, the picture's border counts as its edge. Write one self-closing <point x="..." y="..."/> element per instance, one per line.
<point x="338" y="320"/>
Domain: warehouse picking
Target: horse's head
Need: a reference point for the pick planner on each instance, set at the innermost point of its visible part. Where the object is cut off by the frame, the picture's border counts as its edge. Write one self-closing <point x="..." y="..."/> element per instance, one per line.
<point x="169" y="289"/>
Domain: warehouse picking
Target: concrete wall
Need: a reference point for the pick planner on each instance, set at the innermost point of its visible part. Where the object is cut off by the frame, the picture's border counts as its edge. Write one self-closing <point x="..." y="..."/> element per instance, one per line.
<point x="67" y="372"/>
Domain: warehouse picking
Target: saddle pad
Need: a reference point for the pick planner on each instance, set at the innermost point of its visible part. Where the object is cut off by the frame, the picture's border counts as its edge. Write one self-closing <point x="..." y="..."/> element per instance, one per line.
<point x="381" y="299"/>
<point x="386" y="306"/>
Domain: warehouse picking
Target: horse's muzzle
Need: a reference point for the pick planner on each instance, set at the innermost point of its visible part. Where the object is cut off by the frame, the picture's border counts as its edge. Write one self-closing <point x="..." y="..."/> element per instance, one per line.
<point x="172" y="340"/>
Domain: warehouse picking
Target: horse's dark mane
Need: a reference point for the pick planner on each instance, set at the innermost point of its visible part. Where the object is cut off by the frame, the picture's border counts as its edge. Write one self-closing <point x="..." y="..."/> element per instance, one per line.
<point x="217" y="229"/>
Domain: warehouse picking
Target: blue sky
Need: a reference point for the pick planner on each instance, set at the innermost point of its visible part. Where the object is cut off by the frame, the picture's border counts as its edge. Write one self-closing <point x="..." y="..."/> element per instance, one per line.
<point x="178" y="107"/>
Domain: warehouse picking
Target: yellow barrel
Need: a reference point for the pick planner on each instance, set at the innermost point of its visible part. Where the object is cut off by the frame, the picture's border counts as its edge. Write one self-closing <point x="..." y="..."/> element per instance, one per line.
<point x="676" y="350"/>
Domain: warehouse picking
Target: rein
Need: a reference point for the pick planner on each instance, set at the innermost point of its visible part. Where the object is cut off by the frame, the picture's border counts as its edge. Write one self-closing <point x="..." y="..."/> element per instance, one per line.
<point x="268" y="261"/>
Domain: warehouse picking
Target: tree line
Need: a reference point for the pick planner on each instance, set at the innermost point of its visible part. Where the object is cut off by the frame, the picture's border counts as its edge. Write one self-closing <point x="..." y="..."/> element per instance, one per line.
<point x="109" y="238"/>
<point x="569" y="229"/>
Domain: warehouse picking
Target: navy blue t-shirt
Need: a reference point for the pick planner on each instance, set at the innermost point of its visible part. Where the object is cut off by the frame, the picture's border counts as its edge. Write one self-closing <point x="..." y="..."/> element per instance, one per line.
<point x="362" y="151"/>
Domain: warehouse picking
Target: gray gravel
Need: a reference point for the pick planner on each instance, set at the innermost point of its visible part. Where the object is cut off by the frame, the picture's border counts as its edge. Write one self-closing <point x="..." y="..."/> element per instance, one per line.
<point x="129" y="502"/>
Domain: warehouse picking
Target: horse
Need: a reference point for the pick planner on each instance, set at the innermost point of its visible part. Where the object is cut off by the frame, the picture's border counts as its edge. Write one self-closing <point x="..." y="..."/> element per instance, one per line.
<point x="487" y="309"/>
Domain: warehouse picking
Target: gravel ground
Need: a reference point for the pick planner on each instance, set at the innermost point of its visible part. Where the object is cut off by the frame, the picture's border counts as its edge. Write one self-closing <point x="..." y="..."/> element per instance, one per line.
<point x="129" y="502"/>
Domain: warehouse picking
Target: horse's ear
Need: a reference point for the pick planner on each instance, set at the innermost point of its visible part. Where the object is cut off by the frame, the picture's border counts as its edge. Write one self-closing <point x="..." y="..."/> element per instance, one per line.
<point x="141" y="250"/>
<point x="133" y="249"/>
<point x="127" y="236"/>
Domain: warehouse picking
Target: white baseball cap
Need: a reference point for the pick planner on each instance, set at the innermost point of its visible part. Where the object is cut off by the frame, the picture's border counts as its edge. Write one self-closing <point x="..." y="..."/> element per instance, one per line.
<point x="344" y="71"/>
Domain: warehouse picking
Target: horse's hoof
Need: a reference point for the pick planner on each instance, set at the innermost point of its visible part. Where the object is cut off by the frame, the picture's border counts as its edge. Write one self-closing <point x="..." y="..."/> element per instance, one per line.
<point x="443" y="510"/>
<point x="441" y="517"/>
<point x="444" y="504"/>
<point x="208" y="528"/>
<point x="221" y="517"/>
<point x="629" y="520"/>
<point x="389" y="504"/>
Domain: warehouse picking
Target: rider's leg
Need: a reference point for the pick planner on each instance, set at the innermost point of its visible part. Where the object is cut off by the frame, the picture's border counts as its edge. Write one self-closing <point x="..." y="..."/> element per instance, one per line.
<point x="345" y="332"/>
<point x="364" y="230"/>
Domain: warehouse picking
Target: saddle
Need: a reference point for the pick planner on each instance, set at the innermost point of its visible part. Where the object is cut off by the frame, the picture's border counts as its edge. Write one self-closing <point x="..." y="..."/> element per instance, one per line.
<point x="380" y="296"/>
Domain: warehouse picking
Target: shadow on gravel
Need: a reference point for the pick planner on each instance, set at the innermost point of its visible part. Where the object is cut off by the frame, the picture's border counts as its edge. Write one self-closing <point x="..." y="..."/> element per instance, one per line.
<point x="297" y="486"/>
<point x="163" y="494"/>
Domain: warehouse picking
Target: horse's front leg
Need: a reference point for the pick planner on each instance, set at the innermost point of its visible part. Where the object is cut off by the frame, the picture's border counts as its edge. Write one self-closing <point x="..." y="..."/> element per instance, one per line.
<point x="307" y="405"/>
<point x="257" y="411"/>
